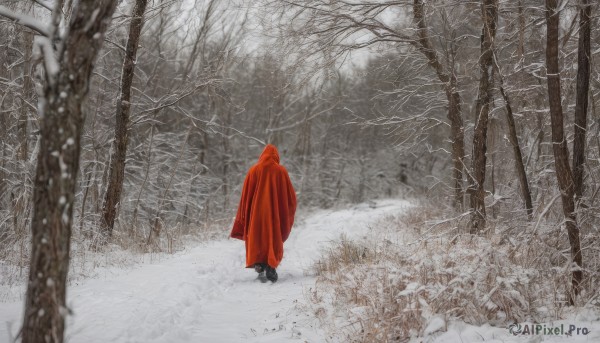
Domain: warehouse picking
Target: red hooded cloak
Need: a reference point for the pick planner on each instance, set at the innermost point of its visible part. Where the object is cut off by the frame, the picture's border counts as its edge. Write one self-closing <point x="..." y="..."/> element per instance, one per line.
<point x="266" y="212"/>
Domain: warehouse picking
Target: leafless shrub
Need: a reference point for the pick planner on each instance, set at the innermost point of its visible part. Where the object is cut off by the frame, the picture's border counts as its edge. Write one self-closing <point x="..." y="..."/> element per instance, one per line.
<point x="389" y="292"/>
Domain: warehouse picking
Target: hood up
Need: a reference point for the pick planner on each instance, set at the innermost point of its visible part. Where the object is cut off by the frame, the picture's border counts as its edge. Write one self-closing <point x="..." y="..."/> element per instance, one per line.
<point x="269" y="153"/>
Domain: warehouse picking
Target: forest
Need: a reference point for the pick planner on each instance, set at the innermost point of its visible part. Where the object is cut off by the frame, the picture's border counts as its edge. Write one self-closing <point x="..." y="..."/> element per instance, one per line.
<point x="463" y="136"/>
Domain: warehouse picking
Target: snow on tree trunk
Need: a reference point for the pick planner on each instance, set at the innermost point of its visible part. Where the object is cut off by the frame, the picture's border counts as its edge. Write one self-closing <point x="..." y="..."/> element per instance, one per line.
<point x="61" y="126"/>
<point x="559" y="143"/>
<point x="489" y="14"/>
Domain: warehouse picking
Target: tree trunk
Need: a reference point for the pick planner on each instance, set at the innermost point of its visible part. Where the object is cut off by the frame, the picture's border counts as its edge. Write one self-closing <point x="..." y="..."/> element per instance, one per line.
<point x="227" y="154"/>
<point x="489" y="13"/>
<point x="25" y="96"/>
<point x="457" y="137"/>
<point x="56" y="174"/>
<point x="423" y="44"/>
<point x="21" y="204"/>
<point x="521" y="44"/>
<point x="514" y="142"/>
<point x="581" y="104"/>
<point x="559" y="143"/>
<point x="116" y="175"/>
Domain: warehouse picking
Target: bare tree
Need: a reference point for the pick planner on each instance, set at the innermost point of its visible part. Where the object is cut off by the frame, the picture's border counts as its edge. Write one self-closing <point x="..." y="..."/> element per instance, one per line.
<point x="119" y="151"/>
<point x="25" y="96"/>
<point x="514" y="142"/>
<point x="583" y="87"/>
<point x="412" y="114"/>
<point x="334" y="23"/>
<point x="559" y="143"/>
<point x="449" y="80"/>
<point x="489" y="14"/>
<point x="67" y="84"/>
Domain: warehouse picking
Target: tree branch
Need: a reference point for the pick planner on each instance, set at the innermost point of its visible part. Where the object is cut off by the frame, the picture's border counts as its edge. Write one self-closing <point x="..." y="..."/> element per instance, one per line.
<point x="43" y="4"/>
<point x="25" y="20"/>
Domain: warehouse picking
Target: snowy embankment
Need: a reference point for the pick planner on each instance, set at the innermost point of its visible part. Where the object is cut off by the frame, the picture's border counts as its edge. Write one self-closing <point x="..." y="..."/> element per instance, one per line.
<point x="413" y="282"/>
<point x="205" y="294"/>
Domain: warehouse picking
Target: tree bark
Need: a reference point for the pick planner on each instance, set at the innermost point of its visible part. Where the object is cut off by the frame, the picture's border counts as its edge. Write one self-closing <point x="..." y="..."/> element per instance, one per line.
<point x="57" y="168"/>
<point x="25" y="96"/>
<point x="21" y="205"/>
<point x="514" y="142"/>
<point x="423" y="44"/>
<point x="489" y="13"/>
<point x="559" y="143"/>
<point x="521" y="44"/>
<point x="581" y="102"/>
<point x="116" y="175"/>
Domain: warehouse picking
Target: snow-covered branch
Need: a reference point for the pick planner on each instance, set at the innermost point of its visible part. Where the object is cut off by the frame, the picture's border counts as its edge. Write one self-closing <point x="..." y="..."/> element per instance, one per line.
<point x="43" y="4"/>
<point x="50" y="63"/>
<point x="25" y="20"/>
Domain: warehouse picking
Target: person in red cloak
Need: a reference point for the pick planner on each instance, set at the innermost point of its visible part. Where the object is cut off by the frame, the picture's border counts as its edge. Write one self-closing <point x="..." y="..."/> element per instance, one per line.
<point x="266" y="213"/>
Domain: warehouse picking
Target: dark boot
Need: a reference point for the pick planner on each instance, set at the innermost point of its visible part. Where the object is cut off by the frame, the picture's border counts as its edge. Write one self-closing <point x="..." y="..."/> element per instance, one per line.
<point x="259" y="267"/>
<point x="271" y="274"/>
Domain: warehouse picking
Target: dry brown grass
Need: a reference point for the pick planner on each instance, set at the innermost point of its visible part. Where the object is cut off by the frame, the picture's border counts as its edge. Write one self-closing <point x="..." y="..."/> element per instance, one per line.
<point x="381" y="291"/>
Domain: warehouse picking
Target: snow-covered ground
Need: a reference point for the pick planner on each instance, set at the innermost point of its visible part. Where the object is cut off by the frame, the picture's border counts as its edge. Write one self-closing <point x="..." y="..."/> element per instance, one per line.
<point x="205" y="294"/>
<point x="581" y="319"/>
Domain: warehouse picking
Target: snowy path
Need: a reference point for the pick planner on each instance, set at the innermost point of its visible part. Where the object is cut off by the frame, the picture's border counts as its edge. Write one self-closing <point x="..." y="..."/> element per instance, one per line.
<point x="206" y="295"/>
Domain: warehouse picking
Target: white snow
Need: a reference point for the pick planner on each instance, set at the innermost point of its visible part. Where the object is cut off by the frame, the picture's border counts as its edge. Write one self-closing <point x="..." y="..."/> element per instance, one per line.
<point x="65" y="216"/>
<point x="582" y="318"/>
<point x="437" y="323"/>
<point x="25" y="20"/>
<point x="50" y="62"/>
<point x="205" y="294"/>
